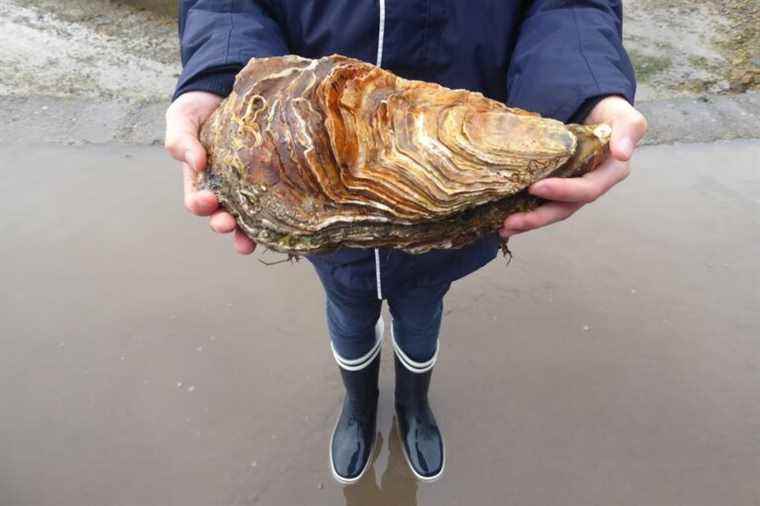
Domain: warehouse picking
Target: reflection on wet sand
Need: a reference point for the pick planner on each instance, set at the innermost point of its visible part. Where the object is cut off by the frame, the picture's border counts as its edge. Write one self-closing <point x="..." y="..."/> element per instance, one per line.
<point x="398" y="486"/>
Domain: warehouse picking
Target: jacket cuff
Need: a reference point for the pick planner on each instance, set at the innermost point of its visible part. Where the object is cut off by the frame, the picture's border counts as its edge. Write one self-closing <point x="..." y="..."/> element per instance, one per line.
<point x="580" y="114"/>
<point x="585" y="109"/>
<point x="218" y="82"/>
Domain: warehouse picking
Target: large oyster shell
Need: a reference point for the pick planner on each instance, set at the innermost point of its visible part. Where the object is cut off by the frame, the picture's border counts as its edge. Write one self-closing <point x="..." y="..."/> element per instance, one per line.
<point x="310" y="155"/>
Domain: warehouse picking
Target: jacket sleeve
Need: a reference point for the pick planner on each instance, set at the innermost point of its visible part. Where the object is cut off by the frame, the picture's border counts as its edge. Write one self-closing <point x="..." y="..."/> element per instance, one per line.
<point x="569" y="54"/>
<point x="218" y="38"/>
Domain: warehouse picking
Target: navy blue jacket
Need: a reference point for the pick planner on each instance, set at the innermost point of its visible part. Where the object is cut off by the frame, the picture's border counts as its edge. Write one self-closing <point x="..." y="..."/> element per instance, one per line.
<point x="554" y="57"/>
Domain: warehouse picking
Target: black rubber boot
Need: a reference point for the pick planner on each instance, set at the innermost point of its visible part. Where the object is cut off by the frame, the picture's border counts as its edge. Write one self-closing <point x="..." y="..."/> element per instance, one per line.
<point x="354" y="434"/>
<point x="421" y="439"/>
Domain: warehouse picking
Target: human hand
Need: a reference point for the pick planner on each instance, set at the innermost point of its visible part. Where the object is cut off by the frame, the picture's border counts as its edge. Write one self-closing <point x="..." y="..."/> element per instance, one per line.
<point x="183" y="122"/>
<point x="567" y="195"/>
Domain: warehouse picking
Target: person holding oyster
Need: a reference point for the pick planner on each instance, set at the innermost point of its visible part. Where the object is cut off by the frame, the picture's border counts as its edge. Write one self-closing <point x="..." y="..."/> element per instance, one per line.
<point x="562" y="59"/>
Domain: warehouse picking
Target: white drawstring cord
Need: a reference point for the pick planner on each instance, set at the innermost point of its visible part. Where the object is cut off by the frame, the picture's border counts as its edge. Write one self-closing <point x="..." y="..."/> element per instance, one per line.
<point x="377" y="274"/>
<point x="379" y="63"/>
<point x="381" y="34"/>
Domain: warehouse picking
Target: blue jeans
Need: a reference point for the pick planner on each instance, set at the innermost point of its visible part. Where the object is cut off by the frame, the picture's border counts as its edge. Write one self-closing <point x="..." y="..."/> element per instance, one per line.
<point x="353" y="311"/>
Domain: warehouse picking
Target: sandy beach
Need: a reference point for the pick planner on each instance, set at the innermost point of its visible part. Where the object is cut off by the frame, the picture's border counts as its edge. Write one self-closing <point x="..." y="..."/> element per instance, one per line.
<point x="616" y="360"/>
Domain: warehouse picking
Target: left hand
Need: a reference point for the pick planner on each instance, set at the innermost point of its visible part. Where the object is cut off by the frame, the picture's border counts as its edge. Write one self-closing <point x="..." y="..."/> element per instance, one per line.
<point x="567" y="195"/>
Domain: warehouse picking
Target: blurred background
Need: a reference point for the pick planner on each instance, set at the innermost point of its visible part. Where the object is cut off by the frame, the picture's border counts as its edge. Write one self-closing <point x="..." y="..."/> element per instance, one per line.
<point x="616" y="360"/>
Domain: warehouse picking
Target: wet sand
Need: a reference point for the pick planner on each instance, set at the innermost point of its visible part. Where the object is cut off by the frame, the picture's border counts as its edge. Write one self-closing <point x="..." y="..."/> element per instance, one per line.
<point x="616" y="361"/>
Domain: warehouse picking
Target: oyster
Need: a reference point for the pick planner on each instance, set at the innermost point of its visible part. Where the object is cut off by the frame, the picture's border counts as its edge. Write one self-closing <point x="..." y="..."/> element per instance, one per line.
<point x="311" y="155"/>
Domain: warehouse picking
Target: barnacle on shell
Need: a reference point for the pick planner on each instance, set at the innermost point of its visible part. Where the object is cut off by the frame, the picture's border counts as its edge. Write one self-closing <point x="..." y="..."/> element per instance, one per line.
<point x="311" y="155"/>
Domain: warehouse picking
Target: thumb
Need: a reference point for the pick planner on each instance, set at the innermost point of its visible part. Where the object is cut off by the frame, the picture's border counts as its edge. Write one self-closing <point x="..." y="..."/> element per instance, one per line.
<point x="628" y="128"/>
<point x="182" y="141"/>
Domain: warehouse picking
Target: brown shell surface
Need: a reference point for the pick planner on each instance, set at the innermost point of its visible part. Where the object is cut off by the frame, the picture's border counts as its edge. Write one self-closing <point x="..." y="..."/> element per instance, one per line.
<point x="311" y="155"/>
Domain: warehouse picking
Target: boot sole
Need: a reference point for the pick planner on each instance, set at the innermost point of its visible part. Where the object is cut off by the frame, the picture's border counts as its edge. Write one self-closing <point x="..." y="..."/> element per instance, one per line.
<point x="350" y="481"/>
<point x="424" y="479"/>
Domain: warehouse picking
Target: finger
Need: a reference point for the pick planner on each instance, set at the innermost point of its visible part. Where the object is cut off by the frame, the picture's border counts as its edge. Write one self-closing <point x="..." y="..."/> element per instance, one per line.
<point x="583" y="189"/>
<point x="243" y="244"/>
<point x="200" y="203"/>
<point x="182" y="139"/>
<point x="627" y="131"/>
<point x="222" y="222"/>
<point x="187" y="181"/>
<point x="540" y="217"/>
<point x="628" y="125"/>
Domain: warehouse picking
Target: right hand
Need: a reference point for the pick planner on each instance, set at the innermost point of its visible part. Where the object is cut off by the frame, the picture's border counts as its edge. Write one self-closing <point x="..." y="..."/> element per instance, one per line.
<point x="183" y="122"/>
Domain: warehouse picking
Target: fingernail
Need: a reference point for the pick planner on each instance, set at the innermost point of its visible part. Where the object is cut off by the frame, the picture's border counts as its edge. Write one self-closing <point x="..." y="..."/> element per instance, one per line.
<point x="540" y="188"/>
<point x="625" y="145"/>
<point x="514" y="223"/>
<point x="189" y="159"/>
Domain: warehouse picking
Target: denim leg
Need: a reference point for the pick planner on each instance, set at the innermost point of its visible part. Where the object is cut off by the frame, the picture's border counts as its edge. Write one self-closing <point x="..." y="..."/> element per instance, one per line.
<point x="417" y="315"/>
<point x="351" y="318"/>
